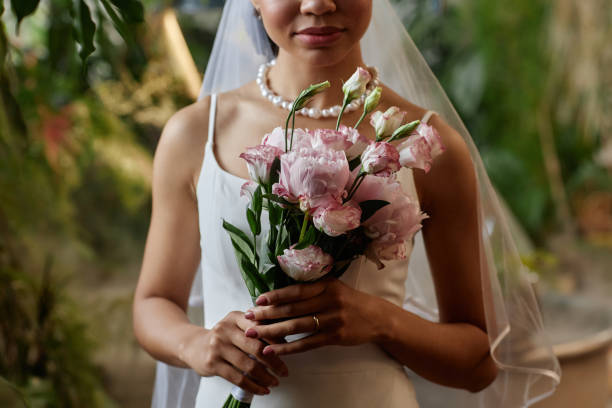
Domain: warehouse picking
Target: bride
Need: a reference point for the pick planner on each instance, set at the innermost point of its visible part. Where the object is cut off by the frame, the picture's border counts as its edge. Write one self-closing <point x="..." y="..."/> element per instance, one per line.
<point x="445" y="322"/>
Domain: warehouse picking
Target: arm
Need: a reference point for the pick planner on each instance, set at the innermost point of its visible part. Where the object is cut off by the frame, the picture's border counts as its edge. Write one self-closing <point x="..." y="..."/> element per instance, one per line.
<point x="171" y="257"/>
<point x="453" y="351"/>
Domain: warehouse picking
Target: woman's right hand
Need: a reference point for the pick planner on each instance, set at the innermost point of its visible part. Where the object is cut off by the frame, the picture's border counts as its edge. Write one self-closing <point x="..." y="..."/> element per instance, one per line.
<point x="224" y="351"/>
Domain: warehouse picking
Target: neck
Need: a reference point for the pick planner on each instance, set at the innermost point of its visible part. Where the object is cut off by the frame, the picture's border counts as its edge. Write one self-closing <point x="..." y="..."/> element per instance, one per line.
<point x="290" y="75"/>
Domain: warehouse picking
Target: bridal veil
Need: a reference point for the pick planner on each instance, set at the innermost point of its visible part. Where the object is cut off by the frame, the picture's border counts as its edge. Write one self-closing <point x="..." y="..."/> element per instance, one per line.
<point x="528" y="369"/>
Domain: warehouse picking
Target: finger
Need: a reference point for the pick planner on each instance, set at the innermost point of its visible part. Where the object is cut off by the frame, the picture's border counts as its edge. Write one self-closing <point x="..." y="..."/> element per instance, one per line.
<point x="298" y="346"/>
<point x="234" y="376"/>
<point x="291" y="293"/>
<point x="293" y="326"/>
<point x="249" y="366"/>
<point x="299" y="308"/>
<point x="255" y="347"/>
<point x="245" y="324"/>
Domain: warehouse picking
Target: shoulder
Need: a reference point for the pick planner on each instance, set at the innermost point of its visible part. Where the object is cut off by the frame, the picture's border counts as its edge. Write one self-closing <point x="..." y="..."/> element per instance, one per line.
<point x="180" y="149"/>
<point x="452" y="173"/>
<point x="452" y="178"/>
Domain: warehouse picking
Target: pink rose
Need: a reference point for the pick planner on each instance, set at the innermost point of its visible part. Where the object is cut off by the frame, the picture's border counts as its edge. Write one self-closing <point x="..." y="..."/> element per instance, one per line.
<point x="301" y="138"/>
<point x="259" y="161"/>
<point x="305" y="264"/>
<point x="415" y="153"/>
<point x="336" y="219"/>
<point x="311" y="176"/>
<point x="385" y="123"/>
<point x="380" y="159"/>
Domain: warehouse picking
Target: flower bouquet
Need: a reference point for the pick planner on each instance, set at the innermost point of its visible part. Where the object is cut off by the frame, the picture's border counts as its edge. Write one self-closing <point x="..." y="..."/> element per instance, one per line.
<point x="330" y="195"/>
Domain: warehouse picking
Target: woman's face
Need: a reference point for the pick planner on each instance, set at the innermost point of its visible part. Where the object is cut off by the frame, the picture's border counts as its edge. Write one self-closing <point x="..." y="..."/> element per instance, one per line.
<point x="323" y="31"/>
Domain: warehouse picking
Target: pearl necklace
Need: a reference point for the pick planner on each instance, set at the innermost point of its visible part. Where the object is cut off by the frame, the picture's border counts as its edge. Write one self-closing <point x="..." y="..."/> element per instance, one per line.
<point x="315" y="113"/>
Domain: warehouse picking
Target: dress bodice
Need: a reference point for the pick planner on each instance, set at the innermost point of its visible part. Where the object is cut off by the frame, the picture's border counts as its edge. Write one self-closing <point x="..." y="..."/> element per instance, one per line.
<point x="327" y="376"/>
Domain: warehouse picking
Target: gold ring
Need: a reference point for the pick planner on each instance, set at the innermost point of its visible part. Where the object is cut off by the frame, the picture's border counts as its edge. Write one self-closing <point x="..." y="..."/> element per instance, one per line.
<point x="316" y="323"/>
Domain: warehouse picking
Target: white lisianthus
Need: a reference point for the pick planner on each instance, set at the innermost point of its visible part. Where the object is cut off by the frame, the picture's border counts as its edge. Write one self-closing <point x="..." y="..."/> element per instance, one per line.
<point x="356" y="85"/>
<point x="385" y="123"/>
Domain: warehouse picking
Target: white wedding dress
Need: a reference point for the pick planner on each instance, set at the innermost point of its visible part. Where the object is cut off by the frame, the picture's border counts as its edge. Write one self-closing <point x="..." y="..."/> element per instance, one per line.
<point x="330" y="376"/>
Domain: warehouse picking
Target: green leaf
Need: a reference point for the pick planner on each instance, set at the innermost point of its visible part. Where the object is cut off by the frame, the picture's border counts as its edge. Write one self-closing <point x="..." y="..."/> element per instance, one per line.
<point x="277" y="199"/>
<point x="86" y="32"/>
<point x="275" y="171"/>
<point x="369" y="207"/>
<point x="257" y="202"/>
<point x="309" y="238"/>
<point x="254" y="281"/>
<point x="241" y="239"/>
<point x="252" y="219"/>
<point x="131" y="10"/>
<point x="353" y="164"/>
<point x="118" y="22"/>
<point x="22" y="9"/>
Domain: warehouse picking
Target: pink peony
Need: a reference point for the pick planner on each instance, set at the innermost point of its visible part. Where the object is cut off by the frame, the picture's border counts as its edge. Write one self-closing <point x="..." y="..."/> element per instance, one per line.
<point x="336" y="219"/>
<point x="305" y="264"/>
<point x="301" y="138"/>
<point x="345" y="139"/>
<point x="329" y="138"/>
<point x="311" y="176"/>
<point x="357" y="140"/>
<point x="385" y="123"/>
<point x="380" y="159"/>
<point x="259" y="161"/>
<point x="394" y="224"/>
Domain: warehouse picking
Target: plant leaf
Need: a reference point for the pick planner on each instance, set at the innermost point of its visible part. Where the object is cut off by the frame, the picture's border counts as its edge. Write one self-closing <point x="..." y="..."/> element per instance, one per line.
<point x="87" y="29"/>
<point x="275" y="171"/>
<point x="369" y="207"/>
<point x="257" y="202"/>
<point x="277" y="199"/>
<point x="252" y="219"/>
<point x="132" y="11"/>
<point x="241" y="239"/>
<point x="353" y="164"/>
<point x="22" y="9"/>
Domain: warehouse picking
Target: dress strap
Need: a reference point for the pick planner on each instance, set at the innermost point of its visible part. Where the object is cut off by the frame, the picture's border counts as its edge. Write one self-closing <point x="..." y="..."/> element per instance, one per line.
<point x="427" y="116"/>
<point x="211" y="119"/>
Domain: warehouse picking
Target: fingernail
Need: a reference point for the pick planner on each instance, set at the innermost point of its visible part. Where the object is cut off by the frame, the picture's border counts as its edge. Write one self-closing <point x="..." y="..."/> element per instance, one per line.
<point x="268" y="351"/>
<point x="261" y="301"/>
<point x="275" y="383"/>
<point x="267" y="391"/>
<point x="249" y="315"/>
<point x="251" y="332"/>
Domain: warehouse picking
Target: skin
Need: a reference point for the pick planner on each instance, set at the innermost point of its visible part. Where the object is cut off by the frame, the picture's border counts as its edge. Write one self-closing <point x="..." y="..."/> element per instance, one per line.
<point x="454" y="351"/>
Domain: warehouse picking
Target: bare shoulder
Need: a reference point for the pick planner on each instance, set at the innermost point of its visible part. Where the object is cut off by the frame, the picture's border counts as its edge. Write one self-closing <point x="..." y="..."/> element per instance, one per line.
<point x="452" y="168"/>
<point x="180" y="149"/>
<point x="452" y="178"/>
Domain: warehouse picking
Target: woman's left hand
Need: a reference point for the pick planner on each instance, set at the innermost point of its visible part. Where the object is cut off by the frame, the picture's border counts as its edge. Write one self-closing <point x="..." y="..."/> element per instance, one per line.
<point x="346" y="316"/>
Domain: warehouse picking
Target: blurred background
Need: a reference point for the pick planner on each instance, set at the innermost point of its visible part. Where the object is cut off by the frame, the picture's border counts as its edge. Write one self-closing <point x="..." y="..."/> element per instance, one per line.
<point x="87" y="85"/>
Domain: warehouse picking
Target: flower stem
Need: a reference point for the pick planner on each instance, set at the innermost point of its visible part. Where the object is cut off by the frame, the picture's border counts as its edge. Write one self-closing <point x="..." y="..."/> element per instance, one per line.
<point x="344" y="104"/>
<point x="363" y="115"/>
<point x="356" y="183"/>
<point x="304" y="226"/>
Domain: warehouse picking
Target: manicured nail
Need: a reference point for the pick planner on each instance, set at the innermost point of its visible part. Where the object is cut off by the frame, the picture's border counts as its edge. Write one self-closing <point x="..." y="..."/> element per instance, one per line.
<point x="261" y="301"/>
<point x="249" y="315"/>
<point x="267" y="391"/>
<point x="251" y="332"/>
<point x="268" y="351"/>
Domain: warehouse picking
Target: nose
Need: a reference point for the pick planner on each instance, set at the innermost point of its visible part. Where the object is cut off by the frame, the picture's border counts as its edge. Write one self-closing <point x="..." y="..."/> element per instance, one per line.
<point x="318" y="7"/>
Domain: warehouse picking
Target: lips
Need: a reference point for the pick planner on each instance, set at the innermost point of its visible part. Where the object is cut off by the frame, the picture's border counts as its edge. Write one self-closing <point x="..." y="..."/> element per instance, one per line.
<point x="325" y="30"/>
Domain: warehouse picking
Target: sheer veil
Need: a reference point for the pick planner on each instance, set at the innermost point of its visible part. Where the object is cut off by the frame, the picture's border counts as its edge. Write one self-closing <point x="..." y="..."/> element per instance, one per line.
<point x="529" y="371"/>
